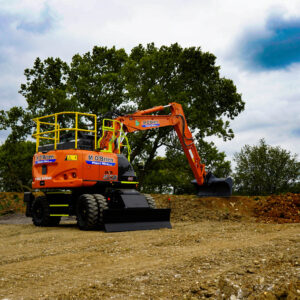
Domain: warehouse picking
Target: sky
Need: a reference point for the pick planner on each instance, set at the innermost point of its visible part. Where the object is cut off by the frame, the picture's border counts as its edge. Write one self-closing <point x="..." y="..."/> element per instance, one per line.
<point x="257" y="45"/>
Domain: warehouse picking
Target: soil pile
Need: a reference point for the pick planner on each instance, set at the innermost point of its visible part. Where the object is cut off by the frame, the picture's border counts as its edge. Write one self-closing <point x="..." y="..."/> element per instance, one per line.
<point x="279" y="209"/>
<point x="190" y="208"/>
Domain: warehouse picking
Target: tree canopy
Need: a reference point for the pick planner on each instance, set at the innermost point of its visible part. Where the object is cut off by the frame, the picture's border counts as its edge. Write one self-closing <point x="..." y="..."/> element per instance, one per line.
<point x="15" y="165"/>
<point x="172" y="173"/>
<point x="264" y="169"/>
<point x="110" y="80"/>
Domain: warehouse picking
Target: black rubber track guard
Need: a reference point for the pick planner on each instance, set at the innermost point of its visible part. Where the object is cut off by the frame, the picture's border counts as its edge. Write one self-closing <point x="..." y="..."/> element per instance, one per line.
<point x="136" y="219"/>
<point x="214" y="187"/>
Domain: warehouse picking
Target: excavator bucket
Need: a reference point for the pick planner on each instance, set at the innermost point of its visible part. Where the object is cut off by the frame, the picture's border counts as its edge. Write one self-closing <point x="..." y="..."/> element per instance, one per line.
<point x="214" y="187"/>
<point x="116" y="220"/>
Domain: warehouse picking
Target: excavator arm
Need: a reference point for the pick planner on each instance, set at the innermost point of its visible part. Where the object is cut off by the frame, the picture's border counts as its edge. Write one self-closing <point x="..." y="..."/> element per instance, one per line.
<point x="141" y="120"/>
<point x="207" y="184"/>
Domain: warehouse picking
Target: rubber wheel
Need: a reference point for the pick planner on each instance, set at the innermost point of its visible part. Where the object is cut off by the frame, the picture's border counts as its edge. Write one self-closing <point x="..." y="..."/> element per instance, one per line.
<point x="102" y="205"/>
<point x="87" y="212"/>
<point x="41" y="213"/>
<point x="150" y="200"/>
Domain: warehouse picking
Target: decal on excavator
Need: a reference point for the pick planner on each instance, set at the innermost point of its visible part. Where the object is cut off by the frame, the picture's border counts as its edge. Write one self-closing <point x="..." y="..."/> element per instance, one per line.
<point x="100" y="160"/>
<point x="43" y="178"/>
<point x="150" y="123"/>
<point x="110" y="177"/>
<point x="71" y="157"/>
<point x="44" y="159"/>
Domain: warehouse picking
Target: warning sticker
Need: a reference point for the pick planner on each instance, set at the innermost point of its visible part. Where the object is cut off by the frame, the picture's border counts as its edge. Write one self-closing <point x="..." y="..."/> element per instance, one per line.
<point x="71" y="157"/>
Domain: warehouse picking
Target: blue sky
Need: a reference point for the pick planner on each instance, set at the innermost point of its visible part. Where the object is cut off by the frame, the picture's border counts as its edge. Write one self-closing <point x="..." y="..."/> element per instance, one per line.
<point x="257" y="44"/>
<point x="277" y="48"/>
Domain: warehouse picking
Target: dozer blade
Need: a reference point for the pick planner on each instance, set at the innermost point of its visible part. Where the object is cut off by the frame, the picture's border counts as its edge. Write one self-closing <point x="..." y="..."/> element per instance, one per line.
<point x="136" y="219"/>
<point x="214" y="187"/>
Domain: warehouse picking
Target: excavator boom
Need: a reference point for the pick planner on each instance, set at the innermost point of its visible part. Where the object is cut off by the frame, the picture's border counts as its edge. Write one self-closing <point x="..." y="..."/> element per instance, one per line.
<point x="206" y="183"/>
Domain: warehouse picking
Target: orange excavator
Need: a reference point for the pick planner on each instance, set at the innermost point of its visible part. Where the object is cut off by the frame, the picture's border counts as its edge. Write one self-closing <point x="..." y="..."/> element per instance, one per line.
<point x="91" y="179"/>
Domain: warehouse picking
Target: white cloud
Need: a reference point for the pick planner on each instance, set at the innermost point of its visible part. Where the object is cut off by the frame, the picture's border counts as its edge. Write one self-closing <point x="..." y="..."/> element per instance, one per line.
<point x="272" y="98"/>
<point x="272" y="109"/>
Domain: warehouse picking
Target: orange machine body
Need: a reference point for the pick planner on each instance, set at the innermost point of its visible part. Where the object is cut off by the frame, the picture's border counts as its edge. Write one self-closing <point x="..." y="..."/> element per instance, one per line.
<point x="90" y="178"/>
<point x="73" y="168"/>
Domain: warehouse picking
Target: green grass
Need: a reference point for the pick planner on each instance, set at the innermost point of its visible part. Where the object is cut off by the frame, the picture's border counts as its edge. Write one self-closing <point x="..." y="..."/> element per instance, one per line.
<point x="11" y="202"/>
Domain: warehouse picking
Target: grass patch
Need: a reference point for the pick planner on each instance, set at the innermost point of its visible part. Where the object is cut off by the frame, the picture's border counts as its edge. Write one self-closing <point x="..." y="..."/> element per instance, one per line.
<point x="11" y="203"/>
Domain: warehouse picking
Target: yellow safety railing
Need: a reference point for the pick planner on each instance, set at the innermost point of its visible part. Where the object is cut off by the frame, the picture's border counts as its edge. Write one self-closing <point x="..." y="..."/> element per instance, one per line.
<point x="117" y="135"/>
<point x="55" y="133"/>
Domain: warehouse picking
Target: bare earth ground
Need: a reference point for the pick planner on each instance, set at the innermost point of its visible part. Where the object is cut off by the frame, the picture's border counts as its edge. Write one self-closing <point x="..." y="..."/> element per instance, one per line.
<point x="215" y="250"/>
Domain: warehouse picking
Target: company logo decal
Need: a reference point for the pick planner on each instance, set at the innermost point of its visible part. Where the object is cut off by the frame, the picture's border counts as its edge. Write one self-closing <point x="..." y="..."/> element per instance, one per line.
<point x="44" y="159"/>
<point x="100" y="160"/>
<point x="150" y="123"/>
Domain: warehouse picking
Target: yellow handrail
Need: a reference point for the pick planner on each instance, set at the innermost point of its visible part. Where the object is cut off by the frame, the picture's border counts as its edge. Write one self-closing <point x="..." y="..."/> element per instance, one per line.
<point x="117" y="135"/>
<point x="56" y="132"/>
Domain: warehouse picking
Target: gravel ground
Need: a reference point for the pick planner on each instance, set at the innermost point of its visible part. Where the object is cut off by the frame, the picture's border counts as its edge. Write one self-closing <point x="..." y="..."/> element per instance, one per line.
<point x="14" y="219"/>
<point x="215" y="250"/>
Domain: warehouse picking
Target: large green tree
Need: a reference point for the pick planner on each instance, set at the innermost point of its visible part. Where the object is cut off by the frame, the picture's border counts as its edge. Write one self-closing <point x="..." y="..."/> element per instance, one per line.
<point x="15" y="165"/>
<point x="158" y="76"/>
<point x="109" y="79"/>
<point x="263" y="169"/>
<point x="172" y="173"/>
<point x="95" y="82"/>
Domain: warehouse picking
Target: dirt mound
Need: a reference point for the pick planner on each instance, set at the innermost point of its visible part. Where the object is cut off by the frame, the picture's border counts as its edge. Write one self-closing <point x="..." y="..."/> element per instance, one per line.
<point x="194" y="209"/>
<point x="190" y="208"/>
<point x="279" y="208"/>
